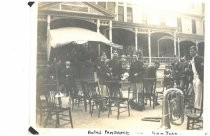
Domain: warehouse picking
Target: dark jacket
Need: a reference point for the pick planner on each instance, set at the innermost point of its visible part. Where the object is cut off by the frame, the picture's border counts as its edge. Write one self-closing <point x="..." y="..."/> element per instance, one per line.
<point x="136" y="68"/>
<point x="181" y="70"/>
<point x="103" y="72"/>
<point x="199" y="65"/>
<point x="68" y="74"/>
<point x="116" y="68"/>
<point x="150" y="78"/>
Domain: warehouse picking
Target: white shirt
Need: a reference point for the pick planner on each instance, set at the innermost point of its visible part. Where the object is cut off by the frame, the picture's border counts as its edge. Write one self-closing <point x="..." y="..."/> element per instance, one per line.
<point x="195" y="73"/>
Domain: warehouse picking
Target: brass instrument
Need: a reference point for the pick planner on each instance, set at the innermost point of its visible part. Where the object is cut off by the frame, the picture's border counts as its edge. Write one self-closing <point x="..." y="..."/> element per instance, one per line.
<point x="173" y="108"/>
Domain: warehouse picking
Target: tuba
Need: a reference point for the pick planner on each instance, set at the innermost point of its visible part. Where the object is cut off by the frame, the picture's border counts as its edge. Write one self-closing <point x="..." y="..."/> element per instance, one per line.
<point x="172" y="108"/>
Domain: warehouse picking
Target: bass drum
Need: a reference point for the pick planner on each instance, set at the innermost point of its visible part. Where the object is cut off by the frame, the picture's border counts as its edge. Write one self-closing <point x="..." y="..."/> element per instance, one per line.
<point x="136" y="105"/>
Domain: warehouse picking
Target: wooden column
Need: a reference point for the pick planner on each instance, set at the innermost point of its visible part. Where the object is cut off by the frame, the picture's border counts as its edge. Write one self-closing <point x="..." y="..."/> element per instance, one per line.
<point x="98" y="26"/>
<point x="136" y="39"/>
<point x="48" y="22"/>
<point x="158" y="48"/>
<point x="175" y="53"/>
<point x="48" y="29"/>
<point x="116" y="10"/>
<point x="149" y="46"/>
<point x="196" y="44"/>
<point x="125" y="12"/>
<point x="110" y="35"/>
<point x="98" y="31"/>
<point x="178" y="41"/>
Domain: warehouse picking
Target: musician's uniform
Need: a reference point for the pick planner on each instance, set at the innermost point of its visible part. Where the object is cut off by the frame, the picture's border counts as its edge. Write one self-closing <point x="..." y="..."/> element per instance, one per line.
<point x="116" y="70"/>
<point x="103" y="75"/>
<point x="69" y="80"/>
<point x="136" y="77"/>
<point x="181" y="75"/>
<point x="168" y="81"/>
<point x="150" y="72"/>
<point x="149" y="84"/>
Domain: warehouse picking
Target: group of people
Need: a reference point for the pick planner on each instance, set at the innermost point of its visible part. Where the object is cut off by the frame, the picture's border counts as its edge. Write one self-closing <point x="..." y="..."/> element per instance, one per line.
<point x="110" y="73"/>
<point x="183" y="74"/>
<point x="187" y="76"/>
<point x="64" y="74"/>
<point x="177" y="73"/>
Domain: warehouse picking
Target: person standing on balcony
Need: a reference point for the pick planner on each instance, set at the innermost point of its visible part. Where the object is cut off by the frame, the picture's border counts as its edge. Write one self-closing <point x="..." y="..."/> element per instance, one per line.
<point x="197" y="67"/>
<point x="136" y="76"/>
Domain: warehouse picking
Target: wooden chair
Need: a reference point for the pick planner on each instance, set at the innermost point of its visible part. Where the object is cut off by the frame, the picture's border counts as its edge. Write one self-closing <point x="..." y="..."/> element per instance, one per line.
<point x="195" y="119"/>
<point x="77" y="96"/>
<point x="149" y="90"/>
<point x="96" y="100"/>
<point x="42" y="89"/>
<point x="57" y="107"/>
<point x="85" y="94"/>
<point x="116" y="100"/>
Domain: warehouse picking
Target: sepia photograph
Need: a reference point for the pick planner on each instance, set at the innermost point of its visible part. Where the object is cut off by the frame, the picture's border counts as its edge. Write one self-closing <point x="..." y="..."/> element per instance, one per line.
<point x="120" y="67"/>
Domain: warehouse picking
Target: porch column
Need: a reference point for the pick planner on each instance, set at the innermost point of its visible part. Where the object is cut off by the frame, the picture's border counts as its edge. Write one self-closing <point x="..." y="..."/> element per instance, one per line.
<point x="48" y="22"/>
<point x="149" y="46"/>
<point x="175" y="53"/>
<point x="158" y="48"/>
<point x="178" y="41"/>
<point x="125" y="12"/>
<point x="196" y="44"/>
<point x="48" y="29"/>
<point x="98" y="26"/>
<point x="110" y="35"/>
<point x="136" y="39"/>
<point x="116" y="11"/>
<point x="98" y="31"/>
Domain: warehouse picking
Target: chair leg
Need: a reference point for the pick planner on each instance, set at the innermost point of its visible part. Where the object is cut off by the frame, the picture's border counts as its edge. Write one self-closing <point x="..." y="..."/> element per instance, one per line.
<point x="154" y="101"/>
<point x="70" y="117"/>
<point x="188" y="123"/>
<point x="78" y="102"/>
<point x="89" y="106"/>
<point x="100" y="108"/>
<point x="150" y="101"/>
<point x="91" y="111"/>
<point x="193" y="122"/>
<point x="40" y="118"/>
<point x="72" y="104"/>
<point x="118" y="110"/>
<point x="110" y="105"/>
<point x="57" y="124"/>
<point x="128" y="109"/>
<point x="48" y="115"/>
<point x="85" y="104"/>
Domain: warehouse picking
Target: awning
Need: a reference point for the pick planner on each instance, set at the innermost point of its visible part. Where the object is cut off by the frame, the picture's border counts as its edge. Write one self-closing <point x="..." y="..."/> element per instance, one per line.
<point x="62" y="36"/>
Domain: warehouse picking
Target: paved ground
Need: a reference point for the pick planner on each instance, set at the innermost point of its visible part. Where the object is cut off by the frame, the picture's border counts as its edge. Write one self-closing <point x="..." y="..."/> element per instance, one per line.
<point x="82" y="119"/>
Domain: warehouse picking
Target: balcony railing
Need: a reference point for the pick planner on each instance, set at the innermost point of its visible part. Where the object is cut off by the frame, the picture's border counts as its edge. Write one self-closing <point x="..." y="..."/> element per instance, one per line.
<point x="161" y="60"/>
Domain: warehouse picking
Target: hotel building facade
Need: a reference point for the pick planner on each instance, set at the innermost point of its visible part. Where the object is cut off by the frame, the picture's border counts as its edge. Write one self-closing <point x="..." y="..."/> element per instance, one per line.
<point x="162" y="31"/>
